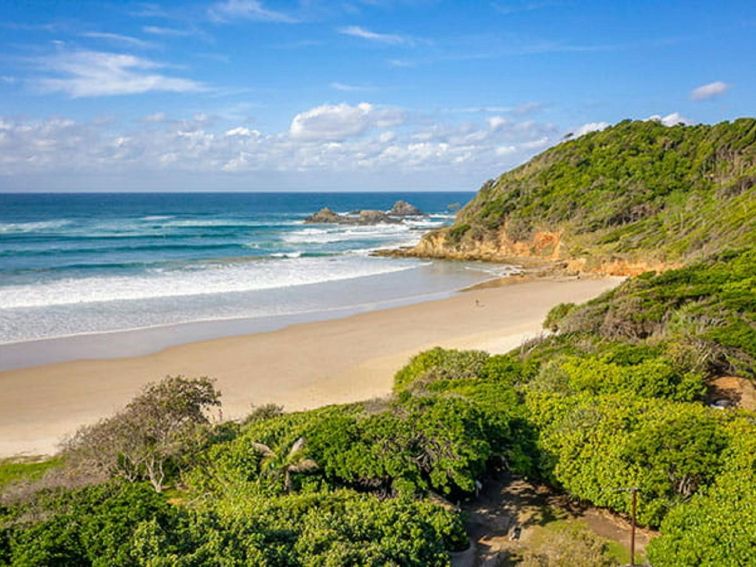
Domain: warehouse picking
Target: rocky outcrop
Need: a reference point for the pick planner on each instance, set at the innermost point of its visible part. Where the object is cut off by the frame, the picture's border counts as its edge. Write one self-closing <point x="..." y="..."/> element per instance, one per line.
<point x="364" y="217"/>
<point x="404" y="209"/>
<point x="375" y="217"/>
<point x="543" y="248"/>
<point x="324" y="215"/>
<point x="499" y="246"/>
<point x="400" y="210"/>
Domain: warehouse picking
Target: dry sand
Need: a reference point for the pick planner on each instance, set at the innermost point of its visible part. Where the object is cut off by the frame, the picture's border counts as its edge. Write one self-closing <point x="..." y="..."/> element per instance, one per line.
<point x="302" y="366"/>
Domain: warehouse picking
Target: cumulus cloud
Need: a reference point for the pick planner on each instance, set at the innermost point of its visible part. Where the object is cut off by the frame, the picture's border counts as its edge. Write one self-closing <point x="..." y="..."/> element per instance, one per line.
<point x="83" y="73"/>
<point x="589" y="127"/>
<point x="341" y="121"/>
<point x="672" y="119"/>
<point x="243" y="132"/>
<point x="338" y="142"/>
<point x="496" y="122"/>
<point x="247" y="10"/>
<point x="362" y="33"/>
<point x="709" y="90"/>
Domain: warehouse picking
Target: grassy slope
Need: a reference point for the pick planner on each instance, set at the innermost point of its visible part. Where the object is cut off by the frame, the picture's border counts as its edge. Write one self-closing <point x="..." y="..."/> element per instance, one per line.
<point x="638" y="191"/>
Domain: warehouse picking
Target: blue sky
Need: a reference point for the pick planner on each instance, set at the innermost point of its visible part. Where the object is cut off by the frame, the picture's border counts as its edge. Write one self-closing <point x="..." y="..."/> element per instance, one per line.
<point x="345" y="95"/>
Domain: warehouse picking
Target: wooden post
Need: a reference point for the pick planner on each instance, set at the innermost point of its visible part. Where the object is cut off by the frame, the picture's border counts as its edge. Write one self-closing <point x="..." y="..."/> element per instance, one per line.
<point x="632" y="531"/>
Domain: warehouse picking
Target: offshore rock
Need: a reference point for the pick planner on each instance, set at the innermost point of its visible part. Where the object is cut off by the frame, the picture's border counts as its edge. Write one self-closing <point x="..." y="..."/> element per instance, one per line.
<point x="404" y="209"/>
<point x="364" y="217"/>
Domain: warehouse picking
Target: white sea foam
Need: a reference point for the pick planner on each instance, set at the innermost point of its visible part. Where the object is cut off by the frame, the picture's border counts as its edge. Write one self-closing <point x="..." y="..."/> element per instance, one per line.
<point x="286" y="254"/>
<point x="157" y="217"/>
<point x="347" y="233"/>
<point x="42" y="226"/>
<point x="201" y="279"/>
<point x="495" y="270"/>
<point x="216" y="223"/>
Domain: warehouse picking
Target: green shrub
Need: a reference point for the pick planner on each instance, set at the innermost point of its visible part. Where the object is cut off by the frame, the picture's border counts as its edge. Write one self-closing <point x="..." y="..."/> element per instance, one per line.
<point x="718" y="526"/>
<point x="440" y="364"/>
<point x="338" y="528"/>
<point x="556" y="315"/>
<point x="90" y="526"/>
<point x="593" y="445"/>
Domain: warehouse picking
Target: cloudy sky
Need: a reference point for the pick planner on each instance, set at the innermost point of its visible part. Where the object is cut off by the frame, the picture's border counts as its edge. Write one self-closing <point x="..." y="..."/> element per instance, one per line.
<point x="345" y="94"/>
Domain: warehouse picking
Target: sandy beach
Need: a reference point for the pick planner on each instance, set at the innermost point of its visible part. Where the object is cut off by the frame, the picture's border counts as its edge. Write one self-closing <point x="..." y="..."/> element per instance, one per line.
<point x="301" y="366"/>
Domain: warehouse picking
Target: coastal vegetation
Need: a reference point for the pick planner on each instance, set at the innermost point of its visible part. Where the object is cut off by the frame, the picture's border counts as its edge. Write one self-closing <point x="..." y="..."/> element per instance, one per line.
<point x="613" y="399"/>
<point x="636" y="195"/>
<point x="617" y="395"/>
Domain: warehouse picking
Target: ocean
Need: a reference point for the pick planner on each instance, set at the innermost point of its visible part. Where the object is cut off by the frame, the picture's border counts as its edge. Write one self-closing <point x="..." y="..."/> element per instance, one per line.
<point x="78" y="264"/>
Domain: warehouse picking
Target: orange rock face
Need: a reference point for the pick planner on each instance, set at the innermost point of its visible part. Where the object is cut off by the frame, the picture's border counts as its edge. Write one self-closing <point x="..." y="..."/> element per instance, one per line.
<point x="543" y="245"/>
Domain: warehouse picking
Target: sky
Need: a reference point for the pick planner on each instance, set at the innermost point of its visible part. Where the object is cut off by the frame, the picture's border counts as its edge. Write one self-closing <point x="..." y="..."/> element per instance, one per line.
<point x="266" y="95"/>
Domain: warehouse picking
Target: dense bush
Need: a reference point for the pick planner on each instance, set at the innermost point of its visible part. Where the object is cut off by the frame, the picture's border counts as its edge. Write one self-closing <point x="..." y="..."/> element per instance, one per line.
<point x="718" y="526"/>
<point x="611" y="401"/>
<point x="556" y="315"/>
<point x="90" y="526"/>
<point x="129" y="525"/>
<point x="594" y="446"/>
<point x="340" y="528"/>
<point x="638" y="190"/>
<point x="439" y="364"/>
<point x="706" y="310"/>
<point x="652" y="378"/>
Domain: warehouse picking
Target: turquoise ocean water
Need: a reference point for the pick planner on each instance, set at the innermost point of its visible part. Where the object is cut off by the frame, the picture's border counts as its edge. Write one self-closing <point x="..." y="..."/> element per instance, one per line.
<point x="78" y="264"/>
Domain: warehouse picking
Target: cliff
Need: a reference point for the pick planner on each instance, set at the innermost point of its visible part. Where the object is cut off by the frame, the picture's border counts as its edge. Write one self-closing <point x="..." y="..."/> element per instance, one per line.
<point x="635" y="197"/>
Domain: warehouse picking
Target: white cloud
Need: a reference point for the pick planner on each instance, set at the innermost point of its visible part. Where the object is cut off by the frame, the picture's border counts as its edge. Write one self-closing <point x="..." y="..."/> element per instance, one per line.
<point x="168" y="32"/>
<point x="362" y="33"/>
<point x="243" y="132"/>
<point x="386" y="137"/>
<point x="339" y="143"/>
<point x="97" y="73"/>
<point x="340" y="121"/>
<point x="589" y="127"/>
<point x="496" y="122"/>
<point x="344" y="87"/>
<point x="247" y="10"/>
<point x="119" y="39"/>
<point x="670" y="119"/>
<point x="527" y="108"/>
<point x="709" y="90"/>
<point x="537" y="144"/>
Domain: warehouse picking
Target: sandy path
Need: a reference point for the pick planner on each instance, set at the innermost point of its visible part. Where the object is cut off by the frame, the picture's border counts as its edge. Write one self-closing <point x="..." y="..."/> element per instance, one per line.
<point x="301" y="366"/>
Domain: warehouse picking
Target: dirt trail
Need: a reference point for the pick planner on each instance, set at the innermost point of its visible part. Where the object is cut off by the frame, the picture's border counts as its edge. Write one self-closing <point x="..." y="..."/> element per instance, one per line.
<point x="507" y="505"/>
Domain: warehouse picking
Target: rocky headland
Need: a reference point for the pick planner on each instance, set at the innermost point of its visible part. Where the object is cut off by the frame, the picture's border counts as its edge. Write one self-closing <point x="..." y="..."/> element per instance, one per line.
<point x="637" y="197"/>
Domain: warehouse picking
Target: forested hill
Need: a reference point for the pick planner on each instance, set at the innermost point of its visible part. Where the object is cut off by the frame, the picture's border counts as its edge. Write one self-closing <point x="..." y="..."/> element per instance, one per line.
<point x="637" y="195"/>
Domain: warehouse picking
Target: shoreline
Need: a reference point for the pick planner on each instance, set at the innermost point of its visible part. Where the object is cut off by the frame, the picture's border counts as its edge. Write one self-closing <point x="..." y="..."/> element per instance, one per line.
<point x="95" y="332"/>
<point x="142" y="341"/>
<point x="304" y="365"/>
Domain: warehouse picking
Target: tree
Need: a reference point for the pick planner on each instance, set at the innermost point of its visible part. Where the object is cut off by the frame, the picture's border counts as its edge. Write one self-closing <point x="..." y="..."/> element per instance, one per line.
<point x="717" y="527"/>
<point x="156" y="433"/>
